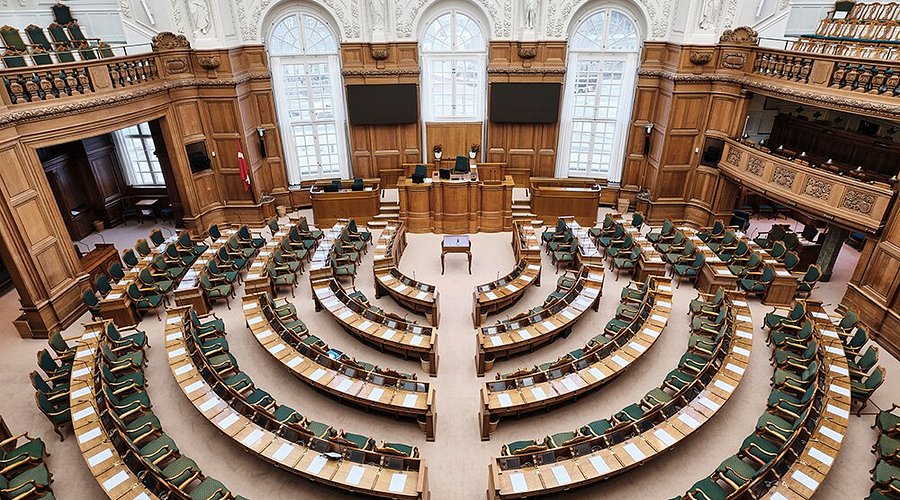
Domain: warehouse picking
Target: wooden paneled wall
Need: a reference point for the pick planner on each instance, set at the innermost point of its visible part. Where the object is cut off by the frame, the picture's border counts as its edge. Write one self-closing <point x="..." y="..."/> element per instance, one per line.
<point x="528" y="149"/>
<point x="683" y="112"/>
<point x="380" y="150"/>
<point x="219" y="97"/>
<point x="454" y="137"/>
<point x="874" y="289"/>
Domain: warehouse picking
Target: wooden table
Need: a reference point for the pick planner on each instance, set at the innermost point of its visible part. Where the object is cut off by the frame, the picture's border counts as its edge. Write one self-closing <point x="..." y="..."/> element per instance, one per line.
<point x="456" y="244"/>
<point x="330" y="207"/>
<point x="146" y="207"/>
<point x="552" y="198"/>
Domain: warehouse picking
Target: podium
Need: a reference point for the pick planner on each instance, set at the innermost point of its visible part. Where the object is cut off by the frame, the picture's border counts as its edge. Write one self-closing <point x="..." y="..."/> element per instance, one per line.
<point x="456" y="206"/>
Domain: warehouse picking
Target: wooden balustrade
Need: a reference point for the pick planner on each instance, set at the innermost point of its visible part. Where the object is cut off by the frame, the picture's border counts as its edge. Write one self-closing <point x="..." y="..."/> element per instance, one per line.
<point x="849" y="202"/>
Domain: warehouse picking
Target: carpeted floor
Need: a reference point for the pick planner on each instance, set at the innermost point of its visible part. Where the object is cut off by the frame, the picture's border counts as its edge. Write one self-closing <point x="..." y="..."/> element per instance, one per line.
<point x="457" y="460"/>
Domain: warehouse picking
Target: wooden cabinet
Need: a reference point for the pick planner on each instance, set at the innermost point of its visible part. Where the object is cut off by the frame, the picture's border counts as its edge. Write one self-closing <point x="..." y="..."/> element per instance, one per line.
<point x="553" y="198"/>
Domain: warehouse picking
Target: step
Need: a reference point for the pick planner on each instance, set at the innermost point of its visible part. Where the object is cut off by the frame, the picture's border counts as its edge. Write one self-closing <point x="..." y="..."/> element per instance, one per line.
<point x="389" y="208"/>
<point x="385" y="217"/>
<point x="377" y="223"/>
<point x="521" y="206"/>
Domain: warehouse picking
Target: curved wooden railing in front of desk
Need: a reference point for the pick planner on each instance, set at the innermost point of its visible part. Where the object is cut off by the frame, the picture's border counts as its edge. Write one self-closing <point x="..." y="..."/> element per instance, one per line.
<point x="541" y="389"/>
<point x="104" y="461"/>
<point x="304" y="461"/>
<point x="502" y="341"/>
<point x="606" y="462"/>
<point x="824" y="195"/>
<point x="344" y="382"/>
<point x="397" y="336"/>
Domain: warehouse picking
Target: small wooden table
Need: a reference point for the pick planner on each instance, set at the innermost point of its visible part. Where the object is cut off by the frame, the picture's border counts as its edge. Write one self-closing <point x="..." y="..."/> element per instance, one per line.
<point x="146" y="207"/>
<point x="456" y="244"/>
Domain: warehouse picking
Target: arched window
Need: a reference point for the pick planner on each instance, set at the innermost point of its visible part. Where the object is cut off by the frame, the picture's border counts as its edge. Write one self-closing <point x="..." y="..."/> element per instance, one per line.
<point x="308" y="94"/>
<point x="601" y="68"/>
<point x="454" y="52"/>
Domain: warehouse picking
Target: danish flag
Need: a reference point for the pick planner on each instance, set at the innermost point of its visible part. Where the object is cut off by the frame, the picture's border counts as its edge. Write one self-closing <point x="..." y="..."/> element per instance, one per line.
<point x="243" y="168"/>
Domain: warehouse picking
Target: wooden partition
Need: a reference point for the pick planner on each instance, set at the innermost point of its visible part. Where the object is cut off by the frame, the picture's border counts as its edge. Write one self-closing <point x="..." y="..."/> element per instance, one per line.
<point x="455" y="137"/>
<point x="362" y="206"/>
<point x="456" y="206"/>
<point x="217" y="97"/>
<point x="553" y="198"/>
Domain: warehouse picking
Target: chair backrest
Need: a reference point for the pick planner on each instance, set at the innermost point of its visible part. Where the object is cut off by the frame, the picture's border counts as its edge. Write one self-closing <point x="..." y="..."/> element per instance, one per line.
<point x="351" y="226"/>
<point x="171" y="251"/>
<point x="133" y="292"/>
<point x="184" y="239"/>
<point x="142" y="247"/>
<point x="462" y="164"/>
<point x="768" y="275"/>
<point x="718" y="227"/>
<point x="560" y="226"/>
<point x="46" y="362"/>
<point x="798" y="311"/>
<point x="39" y="383"/>
<point x="790" y="240"/>
<point x="90" y="299"/>
<point x="875" y="379"/>
<point x="849" y="320"/>
<point x="129" y="258"/>
<point x="357" y="184"/>
<point x="791" y="260"/>
<point x="729" y="238"/>
<point x="102" y="284"/>
<point x="698" y="261"/>
<point x="776" y="232"/>
<point x="145" y="276"/>
<point x="62" y="14"/>
<point x="777" y="250"/>
<point x="214" y="232"/>
<point x="741" y="249"/>
<point x="679" y="237"/>
<point x="421" y="170"/>
<point x="58" y="343"/>
<point x="667" y="227"/>
<point x="810" y="232"/>
<point x="813" y="273"/>
<point x="157" y="237"/>
<point x="754" y="260"/>
<point x="115" y="270"/>
<point x="637" y="220"/>
<point x="689" y="248"/>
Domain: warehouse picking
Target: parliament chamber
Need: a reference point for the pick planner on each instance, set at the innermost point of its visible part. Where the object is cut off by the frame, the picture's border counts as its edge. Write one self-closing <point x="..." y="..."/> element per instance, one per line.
<point x="643" y="249"/>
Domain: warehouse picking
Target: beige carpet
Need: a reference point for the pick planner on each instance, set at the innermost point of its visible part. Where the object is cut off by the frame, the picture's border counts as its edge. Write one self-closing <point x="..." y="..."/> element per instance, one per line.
<point x="457" y="460"/>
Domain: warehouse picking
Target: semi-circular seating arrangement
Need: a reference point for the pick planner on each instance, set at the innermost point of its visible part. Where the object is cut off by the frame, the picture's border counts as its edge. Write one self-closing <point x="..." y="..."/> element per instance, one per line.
<point x="560" y="311"/>
<point x="211" y="379"/>
<point x="414" y="295"/>
<point x="374" y="326"/>
<point x="800" y="434"/>
<point x="277" y="328"/>
<point x="645" y="312"/>
<point x="706" y="377"/>
<point x="502" y="293"/>
<point x="121" y="439"/>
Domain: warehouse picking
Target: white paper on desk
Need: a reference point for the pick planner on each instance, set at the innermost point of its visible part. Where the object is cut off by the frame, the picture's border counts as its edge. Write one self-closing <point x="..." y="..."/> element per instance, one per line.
<point x="491" y="295"/>
<point x="315" y="467"/>
<point x="597" y="374"/>
<point x="173" y="336"/>
<point x="837" y="411"/>
<point x="364" y="326"/>
<point x="734" y="368"/>
<point x="116" y="480"/>
<point x="87" y="436"/>
<point x="744" y="335"/>
<point x="725" y="387"/>
<point x="254" y="320"/>
<point x="253" y="437"/>
<point x="658" y="318"/>
<point x="569" y="384"/>
<point x="745" y="319"/>
<point x="83" y="413"/>
<point x="355" y="474"/>
<point x="561" y="474"/>
<point x="525" y="334"/>
<point x="650" y="332"/>
<point x="275" y="349"/>
<point x="296" y="360"/>
<point x="637" y="347"/>
<point x="517" y="481"/>
<point x="496" y="340"/>
<point x="512" y="288"/>
<point x="821" y="456"/>
<point x="176" y="352"/>
<point x="831" y="433"/>
<point x="84" y="391"/>
<point x="316" y="375"/>
<point x="843" y="391"/>
<point x="504" y="400"/>
<point x="388" y="334"/>
<point x="599" y="465"/>
<point x="568" y="314"/>
<point x="226" y="422"/>
<point x="712" y="405"/>
<point x="398" y="482"/>
<point x="688" y="420"/>
<point x="538" y="393"/>
<point x="805" y="480"/>
<point x="376" y="394"/>
<point x="723" y="271"/>
<point x="344" y="385"/>
<point x="634" y="452"/>
<point x="526" y="278"/>
<point x="104" y="455"/>
<point x="820" y="315"/>
<point x="263" y="334"/>
<point x="283" y="452"/>
<point x="346" y="313"/>
<point x="400" y="287"/>
<point x="619" y="360"/>
<point x="415" y="340"/>
<point x="742" y="351"/>
<point x="840" y="370"/>
<point x="533" y="267"/>
<point x="421" y="295"/>
<point x="548" y="325"/>
<point x="410" y="400"/>
<point x="664" y="436"/>
<point x="209" y="404"/>
<point x="782" y="272"/>
<point x="193" y="387"/>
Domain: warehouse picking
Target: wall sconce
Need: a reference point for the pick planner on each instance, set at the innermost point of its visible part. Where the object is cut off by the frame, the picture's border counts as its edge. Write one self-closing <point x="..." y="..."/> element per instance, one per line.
<point x="262" y="141"/>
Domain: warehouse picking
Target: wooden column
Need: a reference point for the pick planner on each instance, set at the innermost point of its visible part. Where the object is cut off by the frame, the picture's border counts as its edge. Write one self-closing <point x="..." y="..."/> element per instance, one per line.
<point x="831" y="248"/>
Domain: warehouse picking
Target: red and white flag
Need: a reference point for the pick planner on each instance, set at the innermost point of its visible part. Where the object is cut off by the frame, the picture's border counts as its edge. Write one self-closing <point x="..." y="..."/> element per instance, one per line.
<point x="243" y="167"/>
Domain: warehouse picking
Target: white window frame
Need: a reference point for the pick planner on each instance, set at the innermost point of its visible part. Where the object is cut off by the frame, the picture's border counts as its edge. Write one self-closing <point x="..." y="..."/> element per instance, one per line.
<point x="147" y="150"/>
<point x="278" y="63"/>
<point x="626" y="102"/>
<point x="477" y="57"/>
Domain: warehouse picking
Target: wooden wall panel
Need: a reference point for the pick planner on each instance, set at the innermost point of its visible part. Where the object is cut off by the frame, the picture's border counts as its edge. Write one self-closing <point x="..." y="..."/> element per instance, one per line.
<point x="455" y="137"/>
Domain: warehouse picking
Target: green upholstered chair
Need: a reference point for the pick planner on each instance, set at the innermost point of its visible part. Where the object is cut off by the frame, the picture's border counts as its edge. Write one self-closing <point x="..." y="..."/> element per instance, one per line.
<point x="217" y="290"/>
<point x="57" y="412"/>
<point x="666" y="232"/>
<point x="862" y="390"/>
<point x="146" y="299"/>
<point x="808" y="282"/>
<point x="92" y="303"/>
<point x="755" y="286"/>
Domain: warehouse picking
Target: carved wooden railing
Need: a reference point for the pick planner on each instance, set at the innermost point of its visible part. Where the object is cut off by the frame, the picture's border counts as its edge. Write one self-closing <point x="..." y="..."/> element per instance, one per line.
<point x="849" y="202"/>
<point x="36" y="84"/>
<point x="877" y="78"/>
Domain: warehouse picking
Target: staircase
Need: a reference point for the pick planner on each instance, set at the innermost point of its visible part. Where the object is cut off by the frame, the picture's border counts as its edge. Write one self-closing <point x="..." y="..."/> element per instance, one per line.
<point x="388" y="210"/>
<point x="521" y="207"/>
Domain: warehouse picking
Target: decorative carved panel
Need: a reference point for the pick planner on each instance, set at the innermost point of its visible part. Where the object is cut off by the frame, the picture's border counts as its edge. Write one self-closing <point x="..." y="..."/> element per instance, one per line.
<point x="859" y="201"/>
<point x="755" y="166"/>
<point x="818" y="188"/>
<point x="784" y="177"/>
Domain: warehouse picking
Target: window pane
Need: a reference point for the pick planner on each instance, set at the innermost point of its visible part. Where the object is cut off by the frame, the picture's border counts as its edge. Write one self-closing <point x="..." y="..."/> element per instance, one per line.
<point x="140" y="165"/>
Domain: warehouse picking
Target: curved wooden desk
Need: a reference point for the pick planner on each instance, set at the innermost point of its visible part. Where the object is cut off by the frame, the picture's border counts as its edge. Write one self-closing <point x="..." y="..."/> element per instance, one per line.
<point x="497" y="295"/>
<point x="815" y="461"/>
<point x="104" y="461"/>
<point x="375" y="390"/>
<point x="588" y="461"/>
<point x="312" y="458"/>
<point x="508" y="338"/>
<point x="414" y="295"/>
<point x="404" y="338"/>
<point x="456" y="206"/>
<point x="570" y="378"/>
